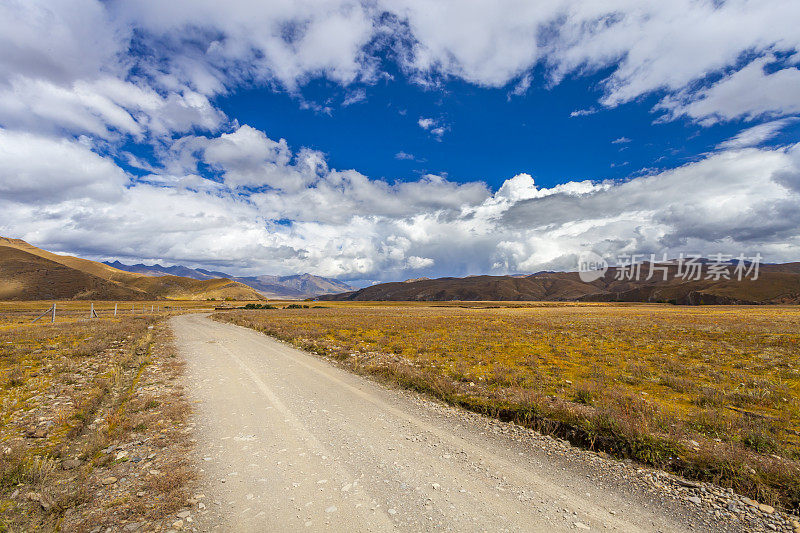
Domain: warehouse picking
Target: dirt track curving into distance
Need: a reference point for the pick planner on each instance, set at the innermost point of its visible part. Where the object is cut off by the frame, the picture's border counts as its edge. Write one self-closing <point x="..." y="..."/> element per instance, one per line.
<point x="287" y="441"/>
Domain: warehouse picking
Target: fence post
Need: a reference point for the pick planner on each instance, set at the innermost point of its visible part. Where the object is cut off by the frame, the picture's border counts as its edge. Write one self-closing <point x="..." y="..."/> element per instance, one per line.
<point x="91" y="311"/>
<point x="40" y="316"/>
<point x="53" y="318"/>
<point x="115" y="309"/>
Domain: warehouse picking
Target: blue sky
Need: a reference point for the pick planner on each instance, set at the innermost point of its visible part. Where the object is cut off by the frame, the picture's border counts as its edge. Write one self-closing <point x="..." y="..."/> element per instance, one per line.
<point x="376" y="141"/>
<point x="491" y="134"/>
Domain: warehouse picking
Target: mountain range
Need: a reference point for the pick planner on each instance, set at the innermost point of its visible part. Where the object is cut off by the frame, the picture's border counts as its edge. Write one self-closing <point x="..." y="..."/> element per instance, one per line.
<point x="276" y="287"/>
<point x="30" y="273"/>
<point x="775" y="284"/>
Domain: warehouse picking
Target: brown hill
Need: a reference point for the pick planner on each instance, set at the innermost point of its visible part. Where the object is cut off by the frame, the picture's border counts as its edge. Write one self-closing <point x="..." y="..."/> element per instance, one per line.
<point x="775" y="284"/>
<point x="30" y="273"/>
<point x="25" y="276"/>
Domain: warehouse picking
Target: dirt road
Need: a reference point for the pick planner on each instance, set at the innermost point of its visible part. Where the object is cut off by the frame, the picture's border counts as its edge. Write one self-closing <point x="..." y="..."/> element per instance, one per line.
<point x="287" y="441"/>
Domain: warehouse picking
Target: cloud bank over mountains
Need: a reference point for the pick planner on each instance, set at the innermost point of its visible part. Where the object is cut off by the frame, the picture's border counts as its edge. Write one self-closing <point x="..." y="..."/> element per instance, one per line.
<point x="86" y="86"/>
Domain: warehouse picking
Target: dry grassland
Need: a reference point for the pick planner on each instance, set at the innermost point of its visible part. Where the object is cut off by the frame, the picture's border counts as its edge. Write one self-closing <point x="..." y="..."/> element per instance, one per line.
<point x="709" y="392"/>
<point x="92" y="419"/>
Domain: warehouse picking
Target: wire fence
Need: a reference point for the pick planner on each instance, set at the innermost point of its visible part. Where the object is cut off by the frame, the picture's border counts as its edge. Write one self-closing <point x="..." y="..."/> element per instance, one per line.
<point x="56" y="312"/>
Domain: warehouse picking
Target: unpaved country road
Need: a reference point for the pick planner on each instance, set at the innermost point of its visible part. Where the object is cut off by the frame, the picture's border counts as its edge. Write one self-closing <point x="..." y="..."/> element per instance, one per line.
<point x="286" y="441"/>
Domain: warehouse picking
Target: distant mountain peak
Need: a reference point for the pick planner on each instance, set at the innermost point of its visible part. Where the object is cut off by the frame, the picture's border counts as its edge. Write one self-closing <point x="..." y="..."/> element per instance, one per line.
<point x="296" y="286"/>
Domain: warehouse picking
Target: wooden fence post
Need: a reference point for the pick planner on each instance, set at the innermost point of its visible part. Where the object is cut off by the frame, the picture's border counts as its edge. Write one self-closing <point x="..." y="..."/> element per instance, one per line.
<point x="115" y="309"/>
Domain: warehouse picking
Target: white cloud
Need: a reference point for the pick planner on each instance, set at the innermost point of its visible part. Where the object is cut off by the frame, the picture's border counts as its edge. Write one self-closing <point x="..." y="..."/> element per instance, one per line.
<point x="287" y="41"/>
<point x="414" y="262"/>
<point x="433" y="126"/>
<point x="757" y="134"/>
<point x="649" y="46"/>
<point x="59" y="61"/>
<point x="426" y="123"/>
<point x="522" y="86"/>
<point x="66" y="70"/>
<point x="355" y="97"/>
<point x="39" y="170"/>
<point x="748" y="93"/>
<point x="345" y="224"/>
<point x="105" y="107"/>
<point x="621" y="140"/>
<point x="583" y="112"/>
<point x="58" y="41"/>
<point x="403" y="156"/>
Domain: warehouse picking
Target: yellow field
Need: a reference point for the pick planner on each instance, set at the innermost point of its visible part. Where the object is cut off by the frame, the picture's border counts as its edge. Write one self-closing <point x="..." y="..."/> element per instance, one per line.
<point x="68" y="390"/>
<point x="712" y="392"/>
<point x="14" y="314"/>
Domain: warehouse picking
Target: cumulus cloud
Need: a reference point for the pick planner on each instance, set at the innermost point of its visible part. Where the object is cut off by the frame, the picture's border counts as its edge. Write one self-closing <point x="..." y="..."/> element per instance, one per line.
<point x="59" y="61"/>
<point x="40" y="170"/>
<point x="649" y="46"/>
<point x="80" y="81"/>
<point x="341" y="223"/>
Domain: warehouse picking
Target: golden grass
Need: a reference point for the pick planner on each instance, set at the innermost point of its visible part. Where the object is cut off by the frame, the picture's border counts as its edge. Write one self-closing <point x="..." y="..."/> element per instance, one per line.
<point x="14" y="314"/>
<point x="712" y="392"/>
<point x="67" y="390"/>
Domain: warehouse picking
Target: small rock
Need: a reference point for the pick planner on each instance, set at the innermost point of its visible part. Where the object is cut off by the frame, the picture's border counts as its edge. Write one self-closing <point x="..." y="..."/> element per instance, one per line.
<point x="45" y="501"/>
<point x="331" y="509"/>
<point x="695" y="500"/>
<point x="131" y="527"/>
<point x="38" y="433"/>
<point x="109" y="480"/>
<point x="69" y="464"/>
<point x="177" y="524"/>
<point x="751" y="503"/>
<point x="183" y="514"/>
<point x="581" y="525"/>
<point x="766" y="508"/>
